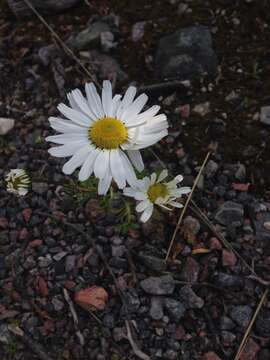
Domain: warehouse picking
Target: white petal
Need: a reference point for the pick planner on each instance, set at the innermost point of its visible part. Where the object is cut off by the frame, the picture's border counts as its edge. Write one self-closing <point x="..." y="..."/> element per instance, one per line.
<point x="142" y="118"/>
<point x="176" y="180"/>
<point x="107" y="98"/>
<point x="179" y="178"/>
<point x="104" y="183"/>
<point x="158" y="119"/>
<point x="102" y="163"/>
<point x="88" y="165"/>
<point x="117" y="169"/>
<point x="185" y="190"/>
<point x="129" y="171"/>
<point x="147" y="213"/>
<point x="129" y="191"/>
<point x="134" y="108"/>
<point x="149" y="113"/>
<point x="143" y="205"/>
<point x="66" y="126"/>
<point x="162" y="175"/>
<point x="74" y="115"/>
<point x="127" y="100"/>
<point x="140" y="196"/>
<point x="144" y="141"/>
<point x="116" y="103"/>
<point x="76" y="161"/>
<point x="136" y="159"/>
<point x="153" y="178"/>
<point x="94" y="100"/>
<point x="66" y="138"/>
<point x="146" y="182"/>
<point x="176" y="204"/>
<point x="67" y="150"/>
<point x="82" y="103"/>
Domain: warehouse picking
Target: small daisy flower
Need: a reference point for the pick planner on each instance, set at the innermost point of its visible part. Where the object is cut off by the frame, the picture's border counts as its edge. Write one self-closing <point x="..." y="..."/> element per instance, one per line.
<point x="18" y="182"/>
<point x="153" y="190"/>
<point x="104" y="135"/>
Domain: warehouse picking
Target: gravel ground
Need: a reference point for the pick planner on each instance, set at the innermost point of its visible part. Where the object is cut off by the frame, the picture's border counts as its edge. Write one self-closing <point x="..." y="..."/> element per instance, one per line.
<point x="52" y="243"/>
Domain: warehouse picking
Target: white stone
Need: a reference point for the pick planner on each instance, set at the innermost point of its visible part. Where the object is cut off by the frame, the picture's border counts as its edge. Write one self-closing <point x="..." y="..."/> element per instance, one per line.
<point x="265" y="115"/>
<point x="6" y="125"/>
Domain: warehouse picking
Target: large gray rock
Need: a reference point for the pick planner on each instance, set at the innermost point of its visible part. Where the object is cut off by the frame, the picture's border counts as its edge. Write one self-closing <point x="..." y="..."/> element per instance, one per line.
<point x="163" y="285"/>
<point x="106" y="66"/>
<point x="230" y="212"/>
<point x="186" y="54"/>
<point x="89" y="37"/>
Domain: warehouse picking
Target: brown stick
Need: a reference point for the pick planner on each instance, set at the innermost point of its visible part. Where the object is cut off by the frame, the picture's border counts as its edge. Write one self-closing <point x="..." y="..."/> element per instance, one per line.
<point x="248" y="330"/>
<point x="134" y="346"/>
<point x="186" y="205"/>
<point x="74" y="316"/>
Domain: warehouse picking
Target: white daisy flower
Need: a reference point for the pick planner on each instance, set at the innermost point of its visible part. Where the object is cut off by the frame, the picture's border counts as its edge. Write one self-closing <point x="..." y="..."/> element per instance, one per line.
<point x="104" y="135"/>
<point x="153" y="190"/>
<point x="18" y="182"/>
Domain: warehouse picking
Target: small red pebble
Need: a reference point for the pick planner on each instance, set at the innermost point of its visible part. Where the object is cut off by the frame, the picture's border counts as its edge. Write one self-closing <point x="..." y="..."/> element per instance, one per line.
<point x="240" y="187"/>
<point x="93" y="298"/>
<point x="3" y="223"/>
<point x="184" y="111"/>
<point x="27" y="214"/>
<point x="42" y="286"/>
<point x="228" y="258"/>
<point x="48" y="327"/>
<point x="69" y="284"/>
<point x="215" y="244"/>
<point x="179" y="333"/>
<point x="35" y="243"/>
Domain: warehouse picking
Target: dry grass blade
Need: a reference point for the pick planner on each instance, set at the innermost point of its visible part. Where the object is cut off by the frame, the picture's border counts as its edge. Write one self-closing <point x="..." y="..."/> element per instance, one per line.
<point x="74" y="316"/>
<point x="134" y="346"/>
<point x="246" y="335"/>
<point x="186" y="205"/>
<point x="157" y="157"/>
<point x="204" y="218"/>
<point x="61" y="42"/>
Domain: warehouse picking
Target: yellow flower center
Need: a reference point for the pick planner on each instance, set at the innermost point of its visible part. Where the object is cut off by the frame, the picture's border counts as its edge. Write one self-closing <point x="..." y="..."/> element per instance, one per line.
<point x="108" y="133"/>
<point x="156" y="191"/>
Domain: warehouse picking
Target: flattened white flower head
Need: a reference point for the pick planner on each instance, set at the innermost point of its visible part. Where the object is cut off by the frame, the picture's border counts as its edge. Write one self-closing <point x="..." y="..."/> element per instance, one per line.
<point x="153" y="190"/>
<point x="104" y="135"/>
<point x="18" y="182"/>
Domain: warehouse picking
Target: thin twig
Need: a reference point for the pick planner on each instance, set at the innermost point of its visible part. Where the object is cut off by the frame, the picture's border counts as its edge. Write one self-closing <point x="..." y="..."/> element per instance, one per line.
<point x="61" y="42"/>
<point x="74" y="316"/>
<point x="248" y="330"/>
<point x="27" y="340"/>
<point x="186" y="205"/>
<point x="134" y="346"/>
<point x="158" y="158"/>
